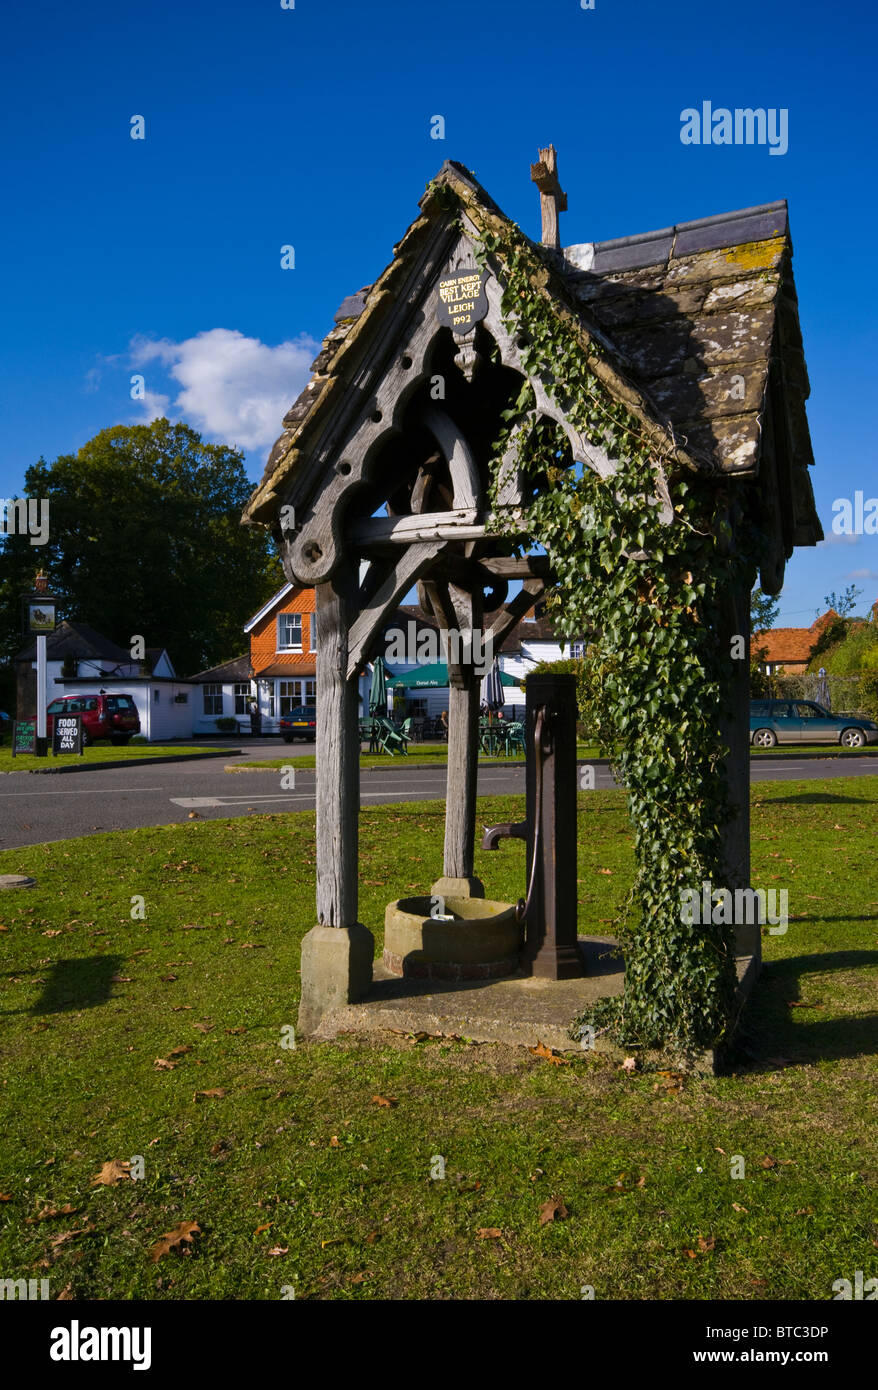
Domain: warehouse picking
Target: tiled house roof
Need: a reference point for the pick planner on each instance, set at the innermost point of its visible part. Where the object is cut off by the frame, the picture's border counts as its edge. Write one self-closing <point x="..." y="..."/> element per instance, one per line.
<point x="787" y="645"/>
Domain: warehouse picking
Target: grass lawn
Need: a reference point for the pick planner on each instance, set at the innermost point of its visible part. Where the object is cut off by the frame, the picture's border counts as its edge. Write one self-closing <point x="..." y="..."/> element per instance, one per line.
<point x="297" y="1174"/>
<point x="98" y="753"/>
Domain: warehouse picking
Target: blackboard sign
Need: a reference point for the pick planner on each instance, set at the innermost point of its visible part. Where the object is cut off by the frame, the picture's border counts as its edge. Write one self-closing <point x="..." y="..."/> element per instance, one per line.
<point x="462" y="300"/>
<point x="24" y="736"/>
<point x="67" y="734"/>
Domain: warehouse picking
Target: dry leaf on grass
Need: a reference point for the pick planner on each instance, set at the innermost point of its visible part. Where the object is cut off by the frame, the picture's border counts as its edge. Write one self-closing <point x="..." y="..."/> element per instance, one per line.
<point x="162" y="1064"/>
<point x="173" y="1240"/>
<point x="548" y="1055"/>
<point x="215" y="1093"/>
<point x="736" y="1206"/>
<point x="333" y="1142"/>
<point x="69" y="1235"/>
<point x="278" y="1250"/>
<point x="266" y="1226"/>
<point x="552" y="1210"/>
<point x="630" y="1064"/>
<point x="49" y="1212"/>
<point x="387" y="1101"/>
<point x="112" y="1171"/>
<point x="203" y="1027"/>
<point x="489" y="1233"/>
<point x="65" y="1293"/>
<point x="180" y="1051"/>
<point x="768" y="1162"/>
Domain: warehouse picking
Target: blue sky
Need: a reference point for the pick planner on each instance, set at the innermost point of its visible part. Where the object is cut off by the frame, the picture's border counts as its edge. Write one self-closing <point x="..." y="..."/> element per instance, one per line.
<point x="311" y="127"/>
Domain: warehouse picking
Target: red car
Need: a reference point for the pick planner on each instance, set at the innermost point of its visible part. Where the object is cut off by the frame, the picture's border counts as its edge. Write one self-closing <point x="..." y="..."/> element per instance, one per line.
<point x="103" y="716"/>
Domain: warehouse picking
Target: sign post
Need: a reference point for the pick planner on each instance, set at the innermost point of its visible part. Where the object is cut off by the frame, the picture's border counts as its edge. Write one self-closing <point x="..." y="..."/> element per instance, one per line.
<point x="39" y="620"/>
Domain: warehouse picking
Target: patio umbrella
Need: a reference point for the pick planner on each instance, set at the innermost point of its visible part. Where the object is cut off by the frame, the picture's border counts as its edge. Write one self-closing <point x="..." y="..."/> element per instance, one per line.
<point x="492" y="687"/>
<point x="378" y="688"/>
<point x="823" y="696"/>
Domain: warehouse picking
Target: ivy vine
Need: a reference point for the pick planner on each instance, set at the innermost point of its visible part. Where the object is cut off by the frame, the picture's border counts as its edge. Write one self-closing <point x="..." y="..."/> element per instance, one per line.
<point x="642" y="562"/>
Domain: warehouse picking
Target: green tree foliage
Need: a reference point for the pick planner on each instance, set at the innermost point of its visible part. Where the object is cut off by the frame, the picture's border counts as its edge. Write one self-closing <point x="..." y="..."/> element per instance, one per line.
<point x="145" y="537"/>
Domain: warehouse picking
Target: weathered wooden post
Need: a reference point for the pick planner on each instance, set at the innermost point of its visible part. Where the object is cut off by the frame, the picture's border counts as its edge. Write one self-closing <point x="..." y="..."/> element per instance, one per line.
<point x="337" y="953"/>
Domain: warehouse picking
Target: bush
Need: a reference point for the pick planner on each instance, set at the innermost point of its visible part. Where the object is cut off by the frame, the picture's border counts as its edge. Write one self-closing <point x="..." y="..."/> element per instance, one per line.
<point x="227" y="725"/>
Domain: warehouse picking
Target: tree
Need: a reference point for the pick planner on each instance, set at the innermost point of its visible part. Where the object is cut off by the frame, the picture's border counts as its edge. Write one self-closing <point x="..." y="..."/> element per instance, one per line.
<point x="145" y="538"/>
<point x="843" y="604"/>
<point x="763" y="612"/>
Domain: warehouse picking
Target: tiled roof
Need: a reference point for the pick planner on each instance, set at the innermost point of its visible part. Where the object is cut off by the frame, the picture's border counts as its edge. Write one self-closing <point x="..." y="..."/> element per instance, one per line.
<point x="689" y="320"/>
<point x="790" y="643"/>
<point x="238" y="669"/>
<point x="79" y="640"/>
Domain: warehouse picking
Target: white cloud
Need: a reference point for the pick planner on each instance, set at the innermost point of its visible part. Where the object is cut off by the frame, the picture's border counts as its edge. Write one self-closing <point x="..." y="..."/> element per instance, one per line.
<point x="831" y="538"/>
<point x="862" y="574"/>
<point x="233" y="388"/>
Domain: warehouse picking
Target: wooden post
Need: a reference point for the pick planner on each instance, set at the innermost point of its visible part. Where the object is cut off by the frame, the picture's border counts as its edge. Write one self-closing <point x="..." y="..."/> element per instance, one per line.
<point x="552" y="200"/>
<point x="337" y="953"/>
<point x="463" y="753"/>
<point x="735" y="725"/>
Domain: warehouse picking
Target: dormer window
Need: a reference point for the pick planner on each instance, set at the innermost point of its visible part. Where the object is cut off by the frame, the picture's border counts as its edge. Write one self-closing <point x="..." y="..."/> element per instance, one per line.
<point x="289" y="632"/>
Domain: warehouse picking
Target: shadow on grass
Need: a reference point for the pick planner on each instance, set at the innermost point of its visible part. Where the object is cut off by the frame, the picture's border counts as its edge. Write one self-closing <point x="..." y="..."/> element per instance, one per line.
<point x="814" y="799"/>
<point x="78" y="984"/>
<point x="776" y="1029"/>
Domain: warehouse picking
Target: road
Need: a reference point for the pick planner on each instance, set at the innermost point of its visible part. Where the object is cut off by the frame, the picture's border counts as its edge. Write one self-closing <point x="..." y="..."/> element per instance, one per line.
<point x="38" y="809"/>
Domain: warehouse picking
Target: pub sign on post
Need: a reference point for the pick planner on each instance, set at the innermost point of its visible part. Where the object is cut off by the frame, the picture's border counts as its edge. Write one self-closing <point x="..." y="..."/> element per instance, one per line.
<point x="67" y="734"/>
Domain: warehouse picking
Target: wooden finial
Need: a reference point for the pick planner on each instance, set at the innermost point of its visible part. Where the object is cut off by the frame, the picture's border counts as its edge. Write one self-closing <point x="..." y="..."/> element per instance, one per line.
<point x="552" y="199"/>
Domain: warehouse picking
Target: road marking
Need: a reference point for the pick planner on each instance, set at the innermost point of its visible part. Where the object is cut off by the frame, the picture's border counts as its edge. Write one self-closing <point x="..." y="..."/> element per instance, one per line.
<point x="87" y="791"/>
<point x="197" y="802"/>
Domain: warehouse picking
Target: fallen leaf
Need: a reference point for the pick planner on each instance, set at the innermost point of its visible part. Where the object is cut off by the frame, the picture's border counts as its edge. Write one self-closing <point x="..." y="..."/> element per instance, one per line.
<point x="180" y="1051"/>
<point x="549" y="1056"/>
<point x="278" y="1250"/>
<point x="55" y="933"/>
<point x="121" y="979"/>
<point x="387" y="1101"/>
<point x="553" y="1208"/>
<point x="266" y="1226"/>
<point x="333" y="1143"/>
<point x="357" y="1278"/>
<point x="489" y="1233"/>
<point x="65" y="1293"/>
<point x="69" y="1235"/>
<point x="630" y="1064"/>
<point x="768" y="1162"/>
<point x="5" y="1196"/>
<point x="736" y="1206"/>
<point x="112" y="1171"/>
<point x="236" y="1030"/>
<point x="163" y="1064"/>
<point x="203" y="1027"/>
<point x="372" y="1237"/>
<point x="334" y="1240"/>
<point x="172" y="1240"/>
<point x="168" y="979"/>
<point x="605" y="871"/>
<point x="758" y="1283"/>
<point x="49" y="1212"/>
<point x="215" y="1093"/>
<point x="707" y="1246"/>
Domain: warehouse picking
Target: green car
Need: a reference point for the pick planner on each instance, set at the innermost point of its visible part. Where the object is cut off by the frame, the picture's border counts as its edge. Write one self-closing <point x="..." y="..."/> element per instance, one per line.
<point x="801" y="721"/>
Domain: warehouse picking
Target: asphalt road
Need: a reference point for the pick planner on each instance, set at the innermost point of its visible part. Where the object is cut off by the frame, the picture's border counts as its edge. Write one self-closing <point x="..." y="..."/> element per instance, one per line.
<point x="39" y="808"/>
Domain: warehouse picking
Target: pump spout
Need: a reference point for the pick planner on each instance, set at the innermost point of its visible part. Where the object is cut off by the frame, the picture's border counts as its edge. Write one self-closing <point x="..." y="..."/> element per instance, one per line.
<point x="495" y="833"/>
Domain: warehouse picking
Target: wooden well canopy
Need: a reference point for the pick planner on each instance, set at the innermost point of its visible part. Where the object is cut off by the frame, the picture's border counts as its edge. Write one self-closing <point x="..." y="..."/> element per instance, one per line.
<point x="379" y="481"/>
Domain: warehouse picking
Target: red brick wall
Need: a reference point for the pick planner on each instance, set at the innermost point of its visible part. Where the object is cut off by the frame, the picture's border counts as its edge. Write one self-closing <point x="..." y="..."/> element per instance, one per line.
<point x="263" y="638"/>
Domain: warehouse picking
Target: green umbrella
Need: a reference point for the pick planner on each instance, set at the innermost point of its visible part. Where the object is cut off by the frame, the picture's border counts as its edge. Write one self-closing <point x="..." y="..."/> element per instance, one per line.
<point x="378" y="688"/>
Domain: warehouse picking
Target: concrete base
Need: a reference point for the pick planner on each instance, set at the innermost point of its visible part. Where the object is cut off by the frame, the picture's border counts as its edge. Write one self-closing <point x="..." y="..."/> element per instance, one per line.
<point x="336" y="971"/>
<point x="458" y="888"/>
<point x="522" y="1010"/>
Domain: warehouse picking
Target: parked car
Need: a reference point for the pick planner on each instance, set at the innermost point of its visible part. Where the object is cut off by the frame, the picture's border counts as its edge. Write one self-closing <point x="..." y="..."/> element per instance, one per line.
<point x="5" y="725"/>
<point x="300" y="722"/>
<point x="103" y="716"/>
<point x="802" y="721"/>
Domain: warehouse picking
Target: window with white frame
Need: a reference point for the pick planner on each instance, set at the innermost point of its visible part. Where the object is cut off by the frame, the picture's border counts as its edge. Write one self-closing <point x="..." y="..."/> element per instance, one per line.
<point x="577" y="650"/>
<point x="312" y="629"/>
<point x="289" y="696"/>
<point x="242" y="697"/>
<point x="289" y="632"/>
<point x="213" y="698"/>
